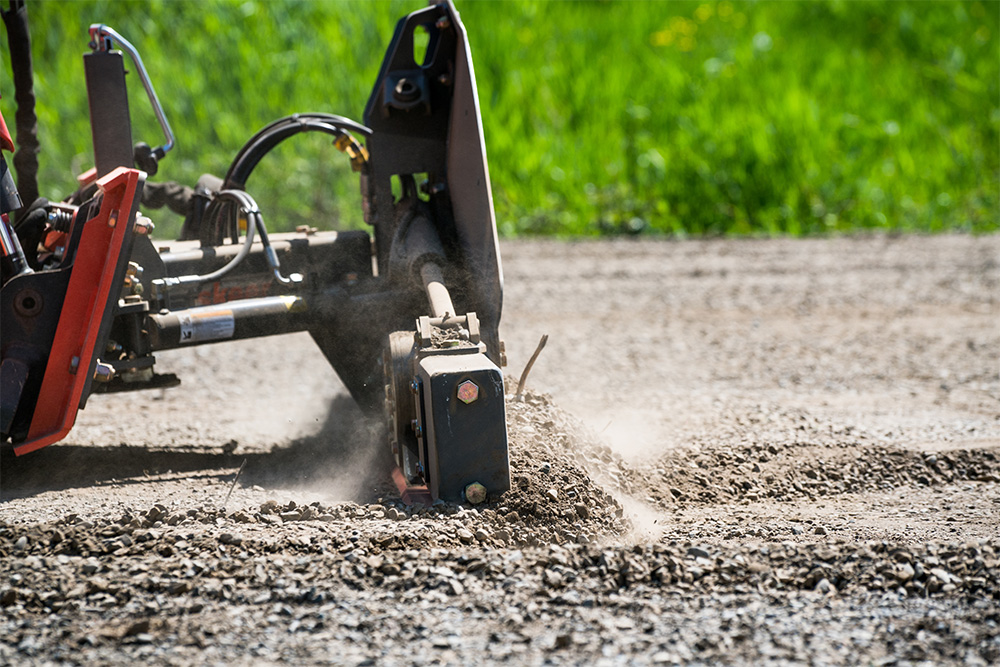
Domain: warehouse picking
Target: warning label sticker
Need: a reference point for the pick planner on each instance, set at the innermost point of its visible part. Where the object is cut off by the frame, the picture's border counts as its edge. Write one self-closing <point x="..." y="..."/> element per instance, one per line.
<point x="209" y="325"/>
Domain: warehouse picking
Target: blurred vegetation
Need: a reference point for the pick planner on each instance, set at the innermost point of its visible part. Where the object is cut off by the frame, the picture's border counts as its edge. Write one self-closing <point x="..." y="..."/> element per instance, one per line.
<point x="600" y="117"/>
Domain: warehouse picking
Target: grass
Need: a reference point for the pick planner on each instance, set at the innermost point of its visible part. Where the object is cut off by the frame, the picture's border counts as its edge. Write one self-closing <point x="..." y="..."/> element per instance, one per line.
<point x="600" y="117"/>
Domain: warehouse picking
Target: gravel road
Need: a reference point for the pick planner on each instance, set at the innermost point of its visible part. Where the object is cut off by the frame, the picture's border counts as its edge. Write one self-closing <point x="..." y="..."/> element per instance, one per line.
<point x="731" y="452"/>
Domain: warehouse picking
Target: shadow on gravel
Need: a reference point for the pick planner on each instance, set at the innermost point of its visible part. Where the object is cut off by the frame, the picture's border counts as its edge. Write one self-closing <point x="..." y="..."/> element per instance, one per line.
<point x="346" y="451"/>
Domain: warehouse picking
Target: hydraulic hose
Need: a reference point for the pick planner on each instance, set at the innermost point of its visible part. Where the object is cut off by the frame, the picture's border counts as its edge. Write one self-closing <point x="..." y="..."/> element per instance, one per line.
<point x="19" y="43"/>
<point x="274" y="133"/>
<point x="245" y="203"/>
<point x="255" y="221"/>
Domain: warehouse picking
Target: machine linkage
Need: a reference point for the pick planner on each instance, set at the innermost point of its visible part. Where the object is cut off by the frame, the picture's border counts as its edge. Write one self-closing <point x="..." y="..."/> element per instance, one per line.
<point x="384" y="307"/>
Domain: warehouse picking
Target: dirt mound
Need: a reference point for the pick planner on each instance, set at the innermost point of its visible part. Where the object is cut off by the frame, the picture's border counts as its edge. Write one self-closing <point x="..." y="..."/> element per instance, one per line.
<point x="556" y="487"/>
<point x="786" y="472"/>
<point x="782" y="455"/>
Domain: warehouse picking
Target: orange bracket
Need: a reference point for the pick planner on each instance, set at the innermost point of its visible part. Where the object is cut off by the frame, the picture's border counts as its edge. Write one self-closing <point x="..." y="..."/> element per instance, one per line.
<point x="98" y="270"/>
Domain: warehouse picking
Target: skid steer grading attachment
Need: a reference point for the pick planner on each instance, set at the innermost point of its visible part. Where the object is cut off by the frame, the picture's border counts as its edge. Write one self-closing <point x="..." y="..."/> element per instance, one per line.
<point x="407" y="315"/>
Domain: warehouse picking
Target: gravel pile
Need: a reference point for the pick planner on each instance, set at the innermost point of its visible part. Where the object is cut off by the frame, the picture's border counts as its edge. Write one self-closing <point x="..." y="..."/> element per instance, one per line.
<point x="556" y="475"/>
<point x="190" y="581"/>
<point x="65" y="561"/>
<point x="781" y="456"/>
<point x="792" y="471"/>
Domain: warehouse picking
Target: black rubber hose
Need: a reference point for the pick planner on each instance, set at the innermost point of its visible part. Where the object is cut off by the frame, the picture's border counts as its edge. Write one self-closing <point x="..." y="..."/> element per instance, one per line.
<point x="273" y="134"/>
<point x="333" y="119"/>
<point x="216" y="209"/>
<point x="30" y="229"/>
<point x="19" y="43"/>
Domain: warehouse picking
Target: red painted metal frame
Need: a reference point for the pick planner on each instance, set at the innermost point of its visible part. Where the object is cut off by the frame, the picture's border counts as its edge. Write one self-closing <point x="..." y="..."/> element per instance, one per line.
<point x="408" y="493"/>
<point x="91" y="285"/>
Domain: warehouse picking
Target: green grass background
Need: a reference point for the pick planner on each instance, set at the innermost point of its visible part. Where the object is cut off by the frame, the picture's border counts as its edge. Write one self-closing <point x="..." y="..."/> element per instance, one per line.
<point x="600" y="117"/>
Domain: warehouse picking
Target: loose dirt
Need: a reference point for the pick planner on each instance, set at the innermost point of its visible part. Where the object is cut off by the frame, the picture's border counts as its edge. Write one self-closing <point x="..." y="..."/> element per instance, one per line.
<point x="729" y="452"/>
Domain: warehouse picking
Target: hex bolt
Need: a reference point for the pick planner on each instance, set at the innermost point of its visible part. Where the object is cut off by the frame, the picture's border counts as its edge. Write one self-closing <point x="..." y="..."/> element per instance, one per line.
<point x="475" y="493"/>
<point x="143" y="225"/>
<point x="468" y="392"/>
<point x="103" y="372"/>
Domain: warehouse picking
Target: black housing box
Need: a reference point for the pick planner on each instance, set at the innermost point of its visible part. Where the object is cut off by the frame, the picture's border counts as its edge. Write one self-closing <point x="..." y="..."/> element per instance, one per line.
<point x="466" y="442"/>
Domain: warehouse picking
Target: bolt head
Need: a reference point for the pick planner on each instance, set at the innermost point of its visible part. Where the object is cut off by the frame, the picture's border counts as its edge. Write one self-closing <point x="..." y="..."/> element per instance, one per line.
<point x="468" y="392"/>
<point x="475" y="493"/>
<point x="103" y="372"/>
<point x="143" y="225"/>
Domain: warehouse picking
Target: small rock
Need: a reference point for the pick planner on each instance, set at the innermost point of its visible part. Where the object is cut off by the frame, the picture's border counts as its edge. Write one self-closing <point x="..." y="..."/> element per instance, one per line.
<point x="21" y="544"/>
<point x="466" y="536"/>
<point x="943" y="575"/>
<point x="819" y="530"/>
<point x="582" y="510"/>
<point x="698" y="552"/>
<point x="180" y="587"/>
<point x="136" y="628"/>
<point x="552" y="495"/>
<point x="156" y="513"/>
<point x="825" y="587"/>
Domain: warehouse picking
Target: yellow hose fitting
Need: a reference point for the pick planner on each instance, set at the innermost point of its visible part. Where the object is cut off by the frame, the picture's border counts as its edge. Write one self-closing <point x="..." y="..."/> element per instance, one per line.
<point x="358" y="154"/>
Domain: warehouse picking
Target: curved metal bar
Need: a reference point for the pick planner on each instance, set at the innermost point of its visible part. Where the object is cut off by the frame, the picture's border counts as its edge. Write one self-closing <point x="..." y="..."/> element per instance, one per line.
<point x="100" y="35"/>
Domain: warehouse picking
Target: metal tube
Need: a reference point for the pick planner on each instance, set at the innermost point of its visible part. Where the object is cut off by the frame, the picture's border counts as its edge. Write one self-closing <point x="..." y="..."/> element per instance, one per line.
<point x="245" y="318"/>
<point x="10" y="247"/>
<point x="437" y="293"/>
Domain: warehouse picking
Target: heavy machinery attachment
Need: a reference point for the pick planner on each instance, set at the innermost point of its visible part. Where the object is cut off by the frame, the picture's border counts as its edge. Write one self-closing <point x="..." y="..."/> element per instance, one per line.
<point x="407" y="315"/>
